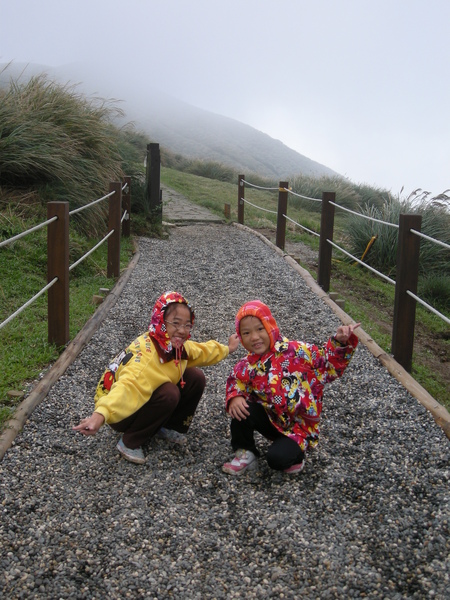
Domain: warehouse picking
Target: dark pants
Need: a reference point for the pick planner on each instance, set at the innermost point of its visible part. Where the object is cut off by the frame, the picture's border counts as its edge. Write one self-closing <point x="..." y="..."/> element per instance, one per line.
<point x="169" y="406"/>
<point x="282" y="453"/>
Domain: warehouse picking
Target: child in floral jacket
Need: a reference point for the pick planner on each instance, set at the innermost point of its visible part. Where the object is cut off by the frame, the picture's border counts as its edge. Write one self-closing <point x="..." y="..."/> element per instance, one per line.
<point x="277" y="389"/>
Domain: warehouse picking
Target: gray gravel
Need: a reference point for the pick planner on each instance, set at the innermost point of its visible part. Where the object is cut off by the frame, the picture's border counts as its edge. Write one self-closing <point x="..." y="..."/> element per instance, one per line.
<point x="367" y="518"/>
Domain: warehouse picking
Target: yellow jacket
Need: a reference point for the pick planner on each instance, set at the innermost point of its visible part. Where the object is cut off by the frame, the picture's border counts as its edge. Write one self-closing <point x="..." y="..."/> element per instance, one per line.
<point x="137" y="372"/>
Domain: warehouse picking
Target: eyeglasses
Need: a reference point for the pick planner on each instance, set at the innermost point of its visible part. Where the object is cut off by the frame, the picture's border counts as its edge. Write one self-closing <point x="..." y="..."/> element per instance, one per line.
<point x="187" y="326"/>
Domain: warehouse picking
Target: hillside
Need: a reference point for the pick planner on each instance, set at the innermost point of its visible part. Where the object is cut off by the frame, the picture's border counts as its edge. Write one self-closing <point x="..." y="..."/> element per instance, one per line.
<point x="182" y="128"/>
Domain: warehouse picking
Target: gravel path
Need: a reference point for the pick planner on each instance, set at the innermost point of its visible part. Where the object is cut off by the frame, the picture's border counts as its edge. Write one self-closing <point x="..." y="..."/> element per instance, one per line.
<point x="367" y="518"/>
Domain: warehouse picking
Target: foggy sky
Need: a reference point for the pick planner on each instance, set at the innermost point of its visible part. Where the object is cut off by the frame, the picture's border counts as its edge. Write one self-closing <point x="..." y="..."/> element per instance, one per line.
<point x="361" y="86"/>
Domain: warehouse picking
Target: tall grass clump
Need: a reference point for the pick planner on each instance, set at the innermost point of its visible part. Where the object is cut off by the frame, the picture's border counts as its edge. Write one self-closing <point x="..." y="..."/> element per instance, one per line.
<point x="58" y="142"/>
<point x="434" y="258"/>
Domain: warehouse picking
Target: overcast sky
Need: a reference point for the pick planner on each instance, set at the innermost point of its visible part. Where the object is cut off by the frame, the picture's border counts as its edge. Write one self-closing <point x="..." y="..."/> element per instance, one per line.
<point x="361" y="86"/>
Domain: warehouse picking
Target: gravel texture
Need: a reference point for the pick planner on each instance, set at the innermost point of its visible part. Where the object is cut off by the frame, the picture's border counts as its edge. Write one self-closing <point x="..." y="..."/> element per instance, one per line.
<point x="367" y="518"/>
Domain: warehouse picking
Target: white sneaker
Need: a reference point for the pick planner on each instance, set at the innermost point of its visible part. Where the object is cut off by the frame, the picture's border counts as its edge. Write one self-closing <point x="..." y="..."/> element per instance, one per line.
<point x="134" y="455"/>
<point x="172" y="436"/>
<point x="244" y="459"/>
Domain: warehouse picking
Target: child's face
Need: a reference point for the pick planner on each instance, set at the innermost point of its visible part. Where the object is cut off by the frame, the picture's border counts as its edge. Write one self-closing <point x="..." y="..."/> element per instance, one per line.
<point x="254" y="336"/>
<point x="178" y="317"/>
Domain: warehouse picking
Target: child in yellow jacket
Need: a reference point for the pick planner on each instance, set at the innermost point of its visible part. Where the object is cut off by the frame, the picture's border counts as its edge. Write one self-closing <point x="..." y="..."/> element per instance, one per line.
<point x="154" y="385"/>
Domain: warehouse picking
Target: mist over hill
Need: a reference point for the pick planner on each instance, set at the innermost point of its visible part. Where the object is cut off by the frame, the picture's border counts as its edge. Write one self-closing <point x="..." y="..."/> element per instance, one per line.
<point x="180" y="127"/>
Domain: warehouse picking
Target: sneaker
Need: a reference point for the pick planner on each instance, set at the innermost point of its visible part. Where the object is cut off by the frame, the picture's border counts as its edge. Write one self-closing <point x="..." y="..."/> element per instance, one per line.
<point x="171" y="436"/>
<point x="134" y="455"/>
<point x="243" y="460"/>
<point x="295" y="468"/>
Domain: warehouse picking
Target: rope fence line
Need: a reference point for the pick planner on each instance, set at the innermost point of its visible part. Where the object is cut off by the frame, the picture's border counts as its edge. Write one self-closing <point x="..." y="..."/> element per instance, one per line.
<point x="302" y="226"/>
<point x="80" y="260"/>
<point x="77" y="210"/>
<point x="364" y="216"/>
<point x="430" y="308"/>
<point x="260" y="187"/>
<point x="48" y="221"/>
<point x="382" y="275"/>
<point x="273" y="212"/>
<point x="30" y="301"/>
<point x="344" y="208"/>
<point x="300" y="195"/>
<point x="24" y="233"/>
<point x="430" y="239"/>
<point x="58" y="252"/>
<point x="408" y="251"/>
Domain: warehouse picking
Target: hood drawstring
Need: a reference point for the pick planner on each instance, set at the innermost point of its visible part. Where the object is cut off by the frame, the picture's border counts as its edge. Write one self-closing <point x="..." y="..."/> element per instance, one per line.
<point x="177" y="362"/>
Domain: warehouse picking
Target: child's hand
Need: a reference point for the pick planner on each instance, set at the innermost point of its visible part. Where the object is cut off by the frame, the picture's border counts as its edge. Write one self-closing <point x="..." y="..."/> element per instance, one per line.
<point x="91" y="425"/>
<point x="344" y="332"/>
<point x="237" y="408"/>
<point x="233" y="342"/>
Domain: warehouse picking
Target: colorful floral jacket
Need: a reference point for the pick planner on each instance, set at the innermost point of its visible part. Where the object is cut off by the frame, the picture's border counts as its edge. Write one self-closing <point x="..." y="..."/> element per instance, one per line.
<point x="288" y="381"/>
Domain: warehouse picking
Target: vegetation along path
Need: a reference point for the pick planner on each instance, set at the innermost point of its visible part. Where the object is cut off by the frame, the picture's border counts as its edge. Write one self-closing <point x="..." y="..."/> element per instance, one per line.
<point x="368" y="516"/>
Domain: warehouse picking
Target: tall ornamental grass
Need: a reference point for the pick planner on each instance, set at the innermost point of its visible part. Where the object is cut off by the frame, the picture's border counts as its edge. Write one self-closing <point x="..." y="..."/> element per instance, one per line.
<point x="434" y="259"/>
<point x="57" y="141"/>
<point x="382" y="255"/>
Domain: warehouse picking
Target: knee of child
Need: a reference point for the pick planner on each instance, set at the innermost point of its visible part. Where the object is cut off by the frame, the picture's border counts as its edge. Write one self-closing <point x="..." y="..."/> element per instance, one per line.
<point x="280" y="458"/>
<point x="196" y="378"/>
<point x="275" y="461"/>
<point x="171" y="396"/>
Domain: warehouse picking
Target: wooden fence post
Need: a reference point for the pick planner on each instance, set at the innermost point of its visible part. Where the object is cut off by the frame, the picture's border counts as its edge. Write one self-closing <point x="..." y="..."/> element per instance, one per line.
<point x="153" y="182"/>
<point x="326" y="233"/>
<point x="126" y="205"/>
<point x="407" y="274"/>
<point x="281" y="218"/>
<point x="241" y="196"/>
<point x="115" y="210"/>
<point x="58" y="266"/>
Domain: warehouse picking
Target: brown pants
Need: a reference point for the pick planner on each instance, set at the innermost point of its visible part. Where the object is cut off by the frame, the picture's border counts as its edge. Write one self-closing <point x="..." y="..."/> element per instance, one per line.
<point x="169" y="406"/>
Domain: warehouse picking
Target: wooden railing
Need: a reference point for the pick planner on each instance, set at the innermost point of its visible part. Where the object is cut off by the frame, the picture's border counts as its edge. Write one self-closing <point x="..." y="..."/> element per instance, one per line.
<point x="58" y="269"/>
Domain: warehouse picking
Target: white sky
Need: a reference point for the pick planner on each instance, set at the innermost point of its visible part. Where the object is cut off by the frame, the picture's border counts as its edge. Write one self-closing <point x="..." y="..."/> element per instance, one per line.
<point x="361" y="86"/>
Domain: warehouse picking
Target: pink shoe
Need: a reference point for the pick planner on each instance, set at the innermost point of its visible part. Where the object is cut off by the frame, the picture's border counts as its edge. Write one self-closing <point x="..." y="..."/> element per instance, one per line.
<point x="243" y="460"/>
<point x="295" y="468"/>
